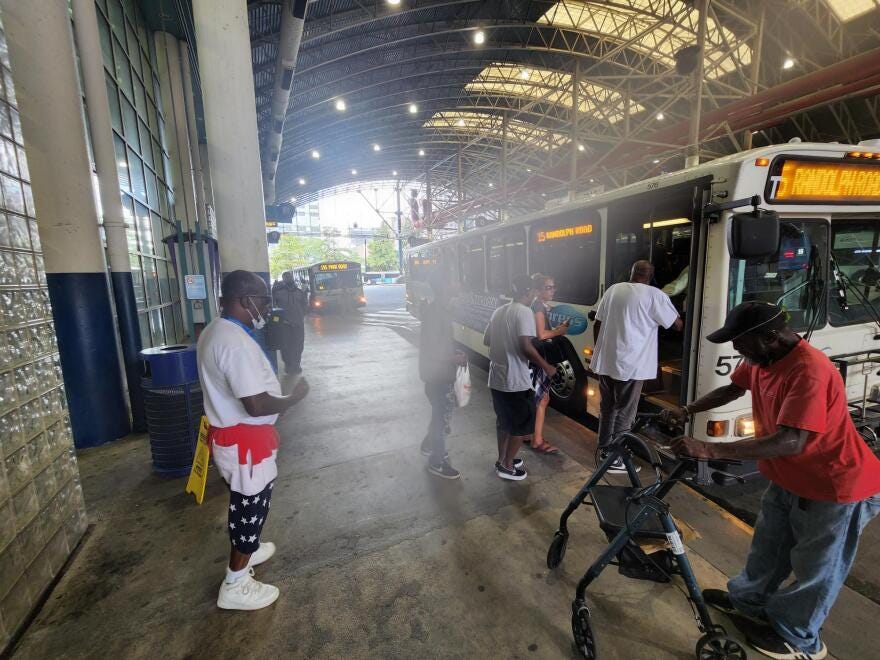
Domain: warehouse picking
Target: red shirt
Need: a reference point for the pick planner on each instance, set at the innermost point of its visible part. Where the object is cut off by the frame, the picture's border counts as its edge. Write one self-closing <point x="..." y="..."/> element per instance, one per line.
<point x="804" y="390"/>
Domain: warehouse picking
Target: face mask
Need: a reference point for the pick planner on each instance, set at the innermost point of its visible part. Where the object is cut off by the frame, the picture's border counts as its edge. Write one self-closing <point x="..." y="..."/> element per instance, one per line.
<point x="259" y="323"/>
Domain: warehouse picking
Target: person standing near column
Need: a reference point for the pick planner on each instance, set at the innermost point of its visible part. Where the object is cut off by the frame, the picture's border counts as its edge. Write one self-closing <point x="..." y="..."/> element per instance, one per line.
<point x="824" y="482"/>
<point x="509" y="338"/>
<point x="625" y="353"/>
<point x="243" y="400"/>
<point x="295" y="302"/>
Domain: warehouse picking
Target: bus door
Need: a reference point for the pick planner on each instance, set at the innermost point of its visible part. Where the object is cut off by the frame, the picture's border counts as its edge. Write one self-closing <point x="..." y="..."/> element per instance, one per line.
<point x="664" y="228"/>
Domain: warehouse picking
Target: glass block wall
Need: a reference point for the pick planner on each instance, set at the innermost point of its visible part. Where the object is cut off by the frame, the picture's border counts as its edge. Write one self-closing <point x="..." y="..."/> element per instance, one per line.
<point x="42" y="513"/>
<point x="142" y="163"/>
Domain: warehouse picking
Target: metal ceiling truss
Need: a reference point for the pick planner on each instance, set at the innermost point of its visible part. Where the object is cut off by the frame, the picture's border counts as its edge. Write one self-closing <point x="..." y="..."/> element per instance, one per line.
<point x="380" y="59"/>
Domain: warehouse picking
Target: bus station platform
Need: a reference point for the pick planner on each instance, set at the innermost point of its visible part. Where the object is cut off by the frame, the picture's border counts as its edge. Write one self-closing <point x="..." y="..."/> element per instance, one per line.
<point x="376" y="558"/>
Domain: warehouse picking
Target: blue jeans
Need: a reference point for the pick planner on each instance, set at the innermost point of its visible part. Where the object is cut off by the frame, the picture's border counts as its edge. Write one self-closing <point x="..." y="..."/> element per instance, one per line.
<point x="442" y="399"/>
<point x="816" y="541"/>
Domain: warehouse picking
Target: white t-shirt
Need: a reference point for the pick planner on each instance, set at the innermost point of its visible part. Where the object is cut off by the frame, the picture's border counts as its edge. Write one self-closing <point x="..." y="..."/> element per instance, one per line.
<point x="232" y="365"/>
<point x="627" y="345"/>
<point x="508" y="367"/>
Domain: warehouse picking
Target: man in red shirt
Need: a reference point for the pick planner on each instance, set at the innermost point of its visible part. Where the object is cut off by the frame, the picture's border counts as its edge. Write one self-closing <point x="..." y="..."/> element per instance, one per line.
<point x="824" y="482"/>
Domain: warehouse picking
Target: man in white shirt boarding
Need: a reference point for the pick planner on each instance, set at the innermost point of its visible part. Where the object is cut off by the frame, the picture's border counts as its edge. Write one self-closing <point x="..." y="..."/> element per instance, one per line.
<point x="625" y="353"/>
<point x="509" y="338"/>
<point x="243" y="400"/>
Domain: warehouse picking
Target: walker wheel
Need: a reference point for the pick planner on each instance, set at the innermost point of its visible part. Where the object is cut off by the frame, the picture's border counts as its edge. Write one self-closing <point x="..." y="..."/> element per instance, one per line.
<point x="557" y="549"/>
<point x="718" y="646"/>
<point x="582" y="628"/>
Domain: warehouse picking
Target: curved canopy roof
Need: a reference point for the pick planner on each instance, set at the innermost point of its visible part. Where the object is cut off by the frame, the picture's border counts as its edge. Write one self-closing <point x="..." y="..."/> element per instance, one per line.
<point x="479" y="95"/>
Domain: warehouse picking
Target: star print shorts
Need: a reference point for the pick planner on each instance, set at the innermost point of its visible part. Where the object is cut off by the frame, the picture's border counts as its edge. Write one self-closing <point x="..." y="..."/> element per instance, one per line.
<point x="247" y="515"/>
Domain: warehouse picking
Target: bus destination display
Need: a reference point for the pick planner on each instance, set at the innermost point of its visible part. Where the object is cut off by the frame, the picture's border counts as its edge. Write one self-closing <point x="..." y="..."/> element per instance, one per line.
<point x="334" y="267"/>
<point x="824" y="181"/>
<point x="563" y="232"/>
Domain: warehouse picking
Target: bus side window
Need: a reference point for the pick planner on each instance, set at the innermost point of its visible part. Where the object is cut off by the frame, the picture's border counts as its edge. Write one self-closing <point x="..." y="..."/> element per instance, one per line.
<point x="567" y="248"/>
<point x="472" y="265"/>
<point x="506" y="259"/>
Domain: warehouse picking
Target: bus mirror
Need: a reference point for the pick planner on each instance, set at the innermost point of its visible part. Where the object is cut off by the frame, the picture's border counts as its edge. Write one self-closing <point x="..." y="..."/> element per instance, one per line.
<point x="754" y="235"/>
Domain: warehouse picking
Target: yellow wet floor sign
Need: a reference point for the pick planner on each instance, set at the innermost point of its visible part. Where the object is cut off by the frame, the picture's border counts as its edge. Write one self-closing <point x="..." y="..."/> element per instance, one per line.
<point x="198" y="475"/>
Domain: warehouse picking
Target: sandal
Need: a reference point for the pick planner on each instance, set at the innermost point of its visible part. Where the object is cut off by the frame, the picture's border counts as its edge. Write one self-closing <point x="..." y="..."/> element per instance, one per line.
<point x="545" y="448"/>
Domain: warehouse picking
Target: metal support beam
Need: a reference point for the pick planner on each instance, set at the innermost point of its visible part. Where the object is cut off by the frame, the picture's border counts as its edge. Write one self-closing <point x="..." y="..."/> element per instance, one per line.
<point x="575" y="104"/>
<point x="693" y="157"/>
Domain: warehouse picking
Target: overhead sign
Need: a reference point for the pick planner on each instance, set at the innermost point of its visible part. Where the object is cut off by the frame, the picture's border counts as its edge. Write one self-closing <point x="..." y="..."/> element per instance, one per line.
<point x="823" y="181"/>
<point x="342" y="266"/>
<point x="564" y="232"/>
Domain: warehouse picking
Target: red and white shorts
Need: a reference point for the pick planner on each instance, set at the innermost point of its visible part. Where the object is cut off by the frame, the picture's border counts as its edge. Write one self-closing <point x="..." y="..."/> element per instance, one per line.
<point x="245" y="456"/>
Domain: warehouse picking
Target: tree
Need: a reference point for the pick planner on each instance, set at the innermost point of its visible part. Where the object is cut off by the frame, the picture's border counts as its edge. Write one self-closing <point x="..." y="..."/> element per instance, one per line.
<point x="293" y="252"/>
<point x="382" y="252"/>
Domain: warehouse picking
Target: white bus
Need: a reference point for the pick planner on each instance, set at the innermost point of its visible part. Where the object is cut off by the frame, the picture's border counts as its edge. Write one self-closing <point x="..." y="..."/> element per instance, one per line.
<point x="824" y="272"/>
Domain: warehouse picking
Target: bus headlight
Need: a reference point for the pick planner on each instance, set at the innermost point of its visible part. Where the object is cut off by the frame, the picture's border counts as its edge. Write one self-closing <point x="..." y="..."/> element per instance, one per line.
<point x="362" y="299"/>
<point x="316" y="303"/>
<point x="716" y="428"/>
<point x="744" y="426"/>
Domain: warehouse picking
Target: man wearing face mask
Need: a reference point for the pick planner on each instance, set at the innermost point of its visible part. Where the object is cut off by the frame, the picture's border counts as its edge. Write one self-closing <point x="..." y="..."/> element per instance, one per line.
<point x="824" y="482"/>
<point x="243" y="400"/>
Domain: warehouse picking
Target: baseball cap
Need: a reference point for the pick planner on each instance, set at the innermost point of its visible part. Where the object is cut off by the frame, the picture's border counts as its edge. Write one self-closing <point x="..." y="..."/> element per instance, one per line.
<point x="746" y="317"/>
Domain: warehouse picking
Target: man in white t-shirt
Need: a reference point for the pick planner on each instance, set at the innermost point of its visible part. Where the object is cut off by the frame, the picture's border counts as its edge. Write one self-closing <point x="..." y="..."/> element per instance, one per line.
<point x="509" y="338"/>
<point x="625" y="353"/>
<point x="243" y="399"/>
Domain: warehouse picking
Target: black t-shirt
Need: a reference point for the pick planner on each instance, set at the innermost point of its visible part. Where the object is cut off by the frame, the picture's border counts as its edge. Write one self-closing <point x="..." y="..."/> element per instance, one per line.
<point x="436" y="347"/>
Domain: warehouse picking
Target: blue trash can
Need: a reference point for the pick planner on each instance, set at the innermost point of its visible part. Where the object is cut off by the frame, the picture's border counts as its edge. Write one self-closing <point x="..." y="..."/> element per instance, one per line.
<point x="173" y="406"/>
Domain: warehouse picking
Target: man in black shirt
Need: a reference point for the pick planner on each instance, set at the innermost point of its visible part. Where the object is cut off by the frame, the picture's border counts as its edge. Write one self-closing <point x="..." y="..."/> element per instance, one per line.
<point x="295" y="302"/>
<point x="438" y="362"/>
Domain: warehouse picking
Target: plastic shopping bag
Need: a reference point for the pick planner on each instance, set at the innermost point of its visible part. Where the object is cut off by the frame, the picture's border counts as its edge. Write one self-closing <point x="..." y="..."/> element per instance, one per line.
<point x="198" y="475"/>
<point x="462" y="386"/>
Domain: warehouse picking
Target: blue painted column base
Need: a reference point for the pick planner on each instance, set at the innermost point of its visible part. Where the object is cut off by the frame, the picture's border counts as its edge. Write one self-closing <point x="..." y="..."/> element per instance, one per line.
<point x="89" y="357"/>
<point x="130" y="338"/>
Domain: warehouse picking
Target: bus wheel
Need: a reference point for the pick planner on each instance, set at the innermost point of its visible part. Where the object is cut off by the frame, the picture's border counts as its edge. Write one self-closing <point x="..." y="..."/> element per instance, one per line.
<point x="564" y="384"/>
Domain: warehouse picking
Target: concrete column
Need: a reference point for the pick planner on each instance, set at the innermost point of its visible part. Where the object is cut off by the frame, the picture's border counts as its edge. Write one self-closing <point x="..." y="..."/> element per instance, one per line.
<point x="92" y="67"/>
<point x="44" y="72"/>
<point x="224" y="48"/>
<point x="756" y="72"/>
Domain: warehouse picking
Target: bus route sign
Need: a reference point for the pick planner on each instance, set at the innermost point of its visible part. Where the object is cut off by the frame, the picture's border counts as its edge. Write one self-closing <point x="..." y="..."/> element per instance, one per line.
<point x="334" y="267"/>
<point x="824" y="181"/>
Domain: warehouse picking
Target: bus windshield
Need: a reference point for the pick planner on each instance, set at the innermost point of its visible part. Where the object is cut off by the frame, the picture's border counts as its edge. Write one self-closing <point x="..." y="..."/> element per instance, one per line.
<point x="792" y="278"/>
<point x="346" y="279"/>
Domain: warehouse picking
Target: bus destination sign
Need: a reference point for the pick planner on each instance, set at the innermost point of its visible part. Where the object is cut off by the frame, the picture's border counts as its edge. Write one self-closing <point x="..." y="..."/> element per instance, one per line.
<point x="334" y="267"/>
<point x="563" y="232"/>
<point x="824" y="181"/>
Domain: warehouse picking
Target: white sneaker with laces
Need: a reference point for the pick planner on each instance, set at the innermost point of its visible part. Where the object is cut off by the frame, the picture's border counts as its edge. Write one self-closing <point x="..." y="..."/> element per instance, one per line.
<point x="246" y="594"/>
<point x="263" y="553"/>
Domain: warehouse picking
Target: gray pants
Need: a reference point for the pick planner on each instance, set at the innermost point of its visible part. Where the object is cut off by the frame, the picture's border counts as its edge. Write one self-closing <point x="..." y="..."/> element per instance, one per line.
<point x="620" y="401"/>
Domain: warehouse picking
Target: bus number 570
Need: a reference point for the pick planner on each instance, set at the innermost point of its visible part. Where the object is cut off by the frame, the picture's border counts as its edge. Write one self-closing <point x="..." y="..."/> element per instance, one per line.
<point x="727" y="363"/>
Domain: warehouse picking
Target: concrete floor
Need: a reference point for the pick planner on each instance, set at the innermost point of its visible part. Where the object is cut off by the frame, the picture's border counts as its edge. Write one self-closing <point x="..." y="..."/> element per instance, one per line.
<point x="376" y="558"/>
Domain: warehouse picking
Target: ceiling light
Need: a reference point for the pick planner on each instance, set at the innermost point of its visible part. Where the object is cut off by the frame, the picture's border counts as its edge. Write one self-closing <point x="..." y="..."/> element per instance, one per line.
<point x="460" y="122"/>
<point x="421" y="152"/>
<point x="656" y="160"/>
<point x="660" y="116"/>
<point x="413" y="108"/>
<point x="394" y="173"/>
<point x="293" y="199"/>
<point x="491" y="185"/>
<point x="479" y="37"/>
<point x="528" y="169"/>
<point x="581" y="147"/>
<point x="302" y="182"/>
<point x="788" y="63"/>
<point x="340" y="105"/>
<point x="524" y="74"/>
<point x="592" y="180"/>
<point x="316" y="154"/>
<point x="376" y="147"/>
<point x="354" y="172"/>
<point x="543" y="194"/>
<point x="393" y="3"/>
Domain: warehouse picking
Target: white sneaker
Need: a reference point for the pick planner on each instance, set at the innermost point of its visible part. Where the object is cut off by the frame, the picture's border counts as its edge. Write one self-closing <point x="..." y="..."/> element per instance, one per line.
<point x="246" y="594"/>
<point x="263" y="553"/>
